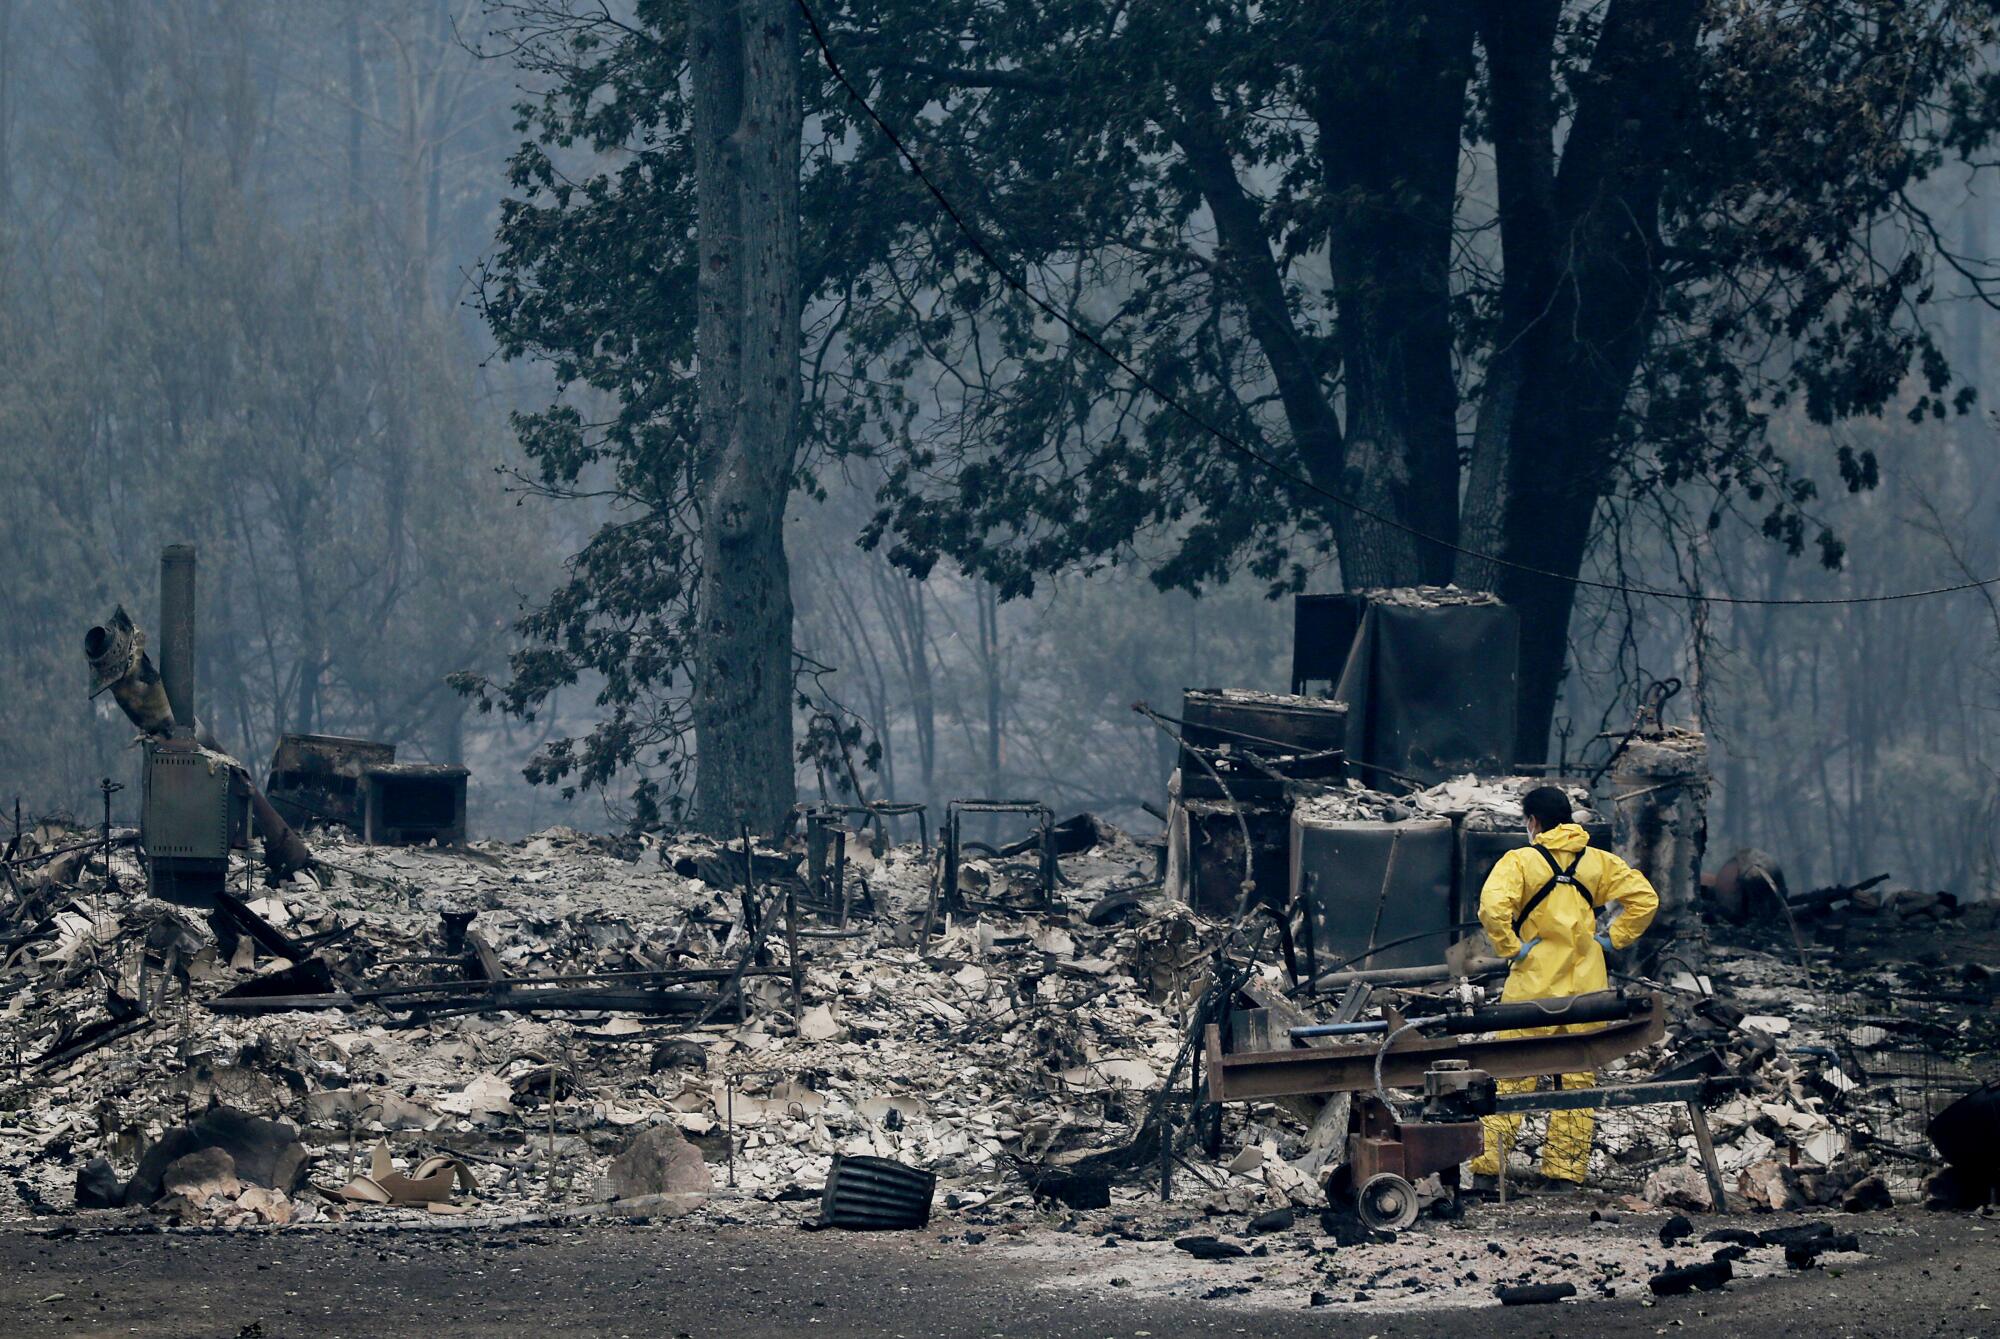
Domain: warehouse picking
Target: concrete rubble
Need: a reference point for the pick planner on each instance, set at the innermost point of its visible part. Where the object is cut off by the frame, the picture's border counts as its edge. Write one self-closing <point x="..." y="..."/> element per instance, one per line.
<point x="1001" y="1055"/>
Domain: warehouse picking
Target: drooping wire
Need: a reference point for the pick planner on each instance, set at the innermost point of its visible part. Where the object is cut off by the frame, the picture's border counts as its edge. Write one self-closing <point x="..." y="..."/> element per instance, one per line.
<point x="1274" y="467"/>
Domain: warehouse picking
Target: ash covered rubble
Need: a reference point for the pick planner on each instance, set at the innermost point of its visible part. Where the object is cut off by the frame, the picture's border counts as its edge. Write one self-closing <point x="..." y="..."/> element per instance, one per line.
<point x="1009" y="1055"/>
<point x="1004" y="1037"/>
<point x="497" y="1033"/>
<point x="1483" y="804"/>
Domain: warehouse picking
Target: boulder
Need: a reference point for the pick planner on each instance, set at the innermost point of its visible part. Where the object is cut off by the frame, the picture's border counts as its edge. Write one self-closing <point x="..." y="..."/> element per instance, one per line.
<point x="1867" y="1194"/>
<point x="264" y="1152"/>
<point x="1773" y="1185"/>
<point x="199" y="1175"/>
<point x="1678" y="1187"/>
<point x="268" y="1205"/>
<point x="1277" y="1220"/>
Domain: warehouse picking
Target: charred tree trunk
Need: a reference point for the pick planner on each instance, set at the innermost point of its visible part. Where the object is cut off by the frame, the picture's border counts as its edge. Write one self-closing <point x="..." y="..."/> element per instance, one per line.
<point x="744" y="58"/>
<point x="1389" y="102"/>
<point x="1519" y="38"/>
<point x="1582" y="250"/>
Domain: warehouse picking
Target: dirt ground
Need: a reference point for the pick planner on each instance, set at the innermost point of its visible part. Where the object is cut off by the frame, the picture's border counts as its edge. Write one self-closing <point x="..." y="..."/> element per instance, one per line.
<point x="1924" y="1274"/>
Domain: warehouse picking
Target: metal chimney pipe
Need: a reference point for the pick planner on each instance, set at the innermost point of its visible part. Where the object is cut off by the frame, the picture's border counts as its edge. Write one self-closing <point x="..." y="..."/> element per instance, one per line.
<point x="177" y="567"/>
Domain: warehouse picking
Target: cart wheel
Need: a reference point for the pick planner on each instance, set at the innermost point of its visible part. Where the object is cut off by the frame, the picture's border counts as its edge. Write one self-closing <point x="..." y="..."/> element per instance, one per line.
<point x="1387" y="1202"/>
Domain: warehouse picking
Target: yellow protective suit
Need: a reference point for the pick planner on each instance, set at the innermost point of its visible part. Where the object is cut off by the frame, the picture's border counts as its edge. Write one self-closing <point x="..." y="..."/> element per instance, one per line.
<point x="1567" y="961"/>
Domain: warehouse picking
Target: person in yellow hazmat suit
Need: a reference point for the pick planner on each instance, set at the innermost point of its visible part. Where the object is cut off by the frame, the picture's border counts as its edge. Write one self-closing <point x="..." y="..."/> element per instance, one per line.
<point x="1539" y="907"/>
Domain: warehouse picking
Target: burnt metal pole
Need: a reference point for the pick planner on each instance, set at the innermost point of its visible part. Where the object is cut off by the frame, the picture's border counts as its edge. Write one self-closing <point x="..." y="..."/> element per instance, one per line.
<point x="177" y="572"/>
<point x="110" y="788"/>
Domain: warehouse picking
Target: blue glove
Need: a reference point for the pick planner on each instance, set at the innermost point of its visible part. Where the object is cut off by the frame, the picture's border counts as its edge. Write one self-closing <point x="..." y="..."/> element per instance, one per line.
<point x="1604" y="938"/>
<point x="1527" y="948"/>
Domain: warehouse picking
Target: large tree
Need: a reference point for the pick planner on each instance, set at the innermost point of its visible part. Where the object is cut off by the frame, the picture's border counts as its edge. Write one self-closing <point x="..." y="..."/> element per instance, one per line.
<point x="1483" y="268"/>
<point x="672" y="284"/>
<point x="1470" y="274"/>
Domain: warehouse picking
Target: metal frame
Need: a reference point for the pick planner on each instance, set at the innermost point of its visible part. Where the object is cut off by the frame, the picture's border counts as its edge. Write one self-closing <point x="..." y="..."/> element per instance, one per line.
<point x="878" y="810"/>
<point x="387" y="824"/>
<point x="822" y="829"/>
<point x="1336" y="1069"/>
<point x="1380" y="1144"/>
<point x="1045" y="820"/>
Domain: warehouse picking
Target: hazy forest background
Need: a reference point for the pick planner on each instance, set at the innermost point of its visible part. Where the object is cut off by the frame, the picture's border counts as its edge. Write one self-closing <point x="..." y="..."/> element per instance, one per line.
<point x="239" y="246"/>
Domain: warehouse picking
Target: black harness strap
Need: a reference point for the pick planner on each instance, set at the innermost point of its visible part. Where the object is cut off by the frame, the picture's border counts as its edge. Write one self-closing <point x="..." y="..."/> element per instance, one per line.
<point x="1558" y="876"/>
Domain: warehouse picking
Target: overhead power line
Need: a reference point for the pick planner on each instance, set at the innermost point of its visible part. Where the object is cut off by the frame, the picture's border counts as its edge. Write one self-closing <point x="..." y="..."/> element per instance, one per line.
<point x="1250" y="452"/>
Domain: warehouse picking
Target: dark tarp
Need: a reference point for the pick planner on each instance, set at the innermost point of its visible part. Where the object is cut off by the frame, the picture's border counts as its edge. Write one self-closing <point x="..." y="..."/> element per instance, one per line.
<point x="1430" y="692"/>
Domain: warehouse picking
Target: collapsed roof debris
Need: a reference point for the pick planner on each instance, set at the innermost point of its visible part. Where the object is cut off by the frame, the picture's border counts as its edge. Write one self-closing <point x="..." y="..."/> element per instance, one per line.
<point x="489" y="1032"/>
<point x="1000" y="1056"/>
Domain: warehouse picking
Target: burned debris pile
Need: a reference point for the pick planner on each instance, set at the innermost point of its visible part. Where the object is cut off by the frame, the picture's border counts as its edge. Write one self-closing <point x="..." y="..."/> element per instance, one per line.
<point x="530" y="1008"/>
<point x="1276" y="1032"/>
<point x="1003" y="1055"/>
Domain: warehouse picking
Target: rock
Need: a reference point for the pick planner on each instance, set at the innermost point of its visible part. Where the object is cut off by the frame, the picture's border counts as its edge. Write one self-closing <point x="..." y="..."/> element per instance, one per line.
<point x="1277" y="1220"/>
<point x="270" y="1206"/>
<point x="659" y="1162"/>
<point x="265" y="1152"/>
<point x="1830" y="1186"/>
<point x="1347" y="1229"/>
<point x="1957" y="1188"/>
<point x="1678" y="1187"/>
<point x="1705" y="1277"/>
<point x="98" y="1186"/>
<point x="1210" y="1248"/>
<point x="1868" y="1194"/>
<point x="1533" y="1294"/>
<point x="1771" y="1184"/>
<point x="1912" y="902"/>
<point x="1676" y="1229"/>
<point x="202" y="1174"/>
<point x="1072" y="1190"/>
